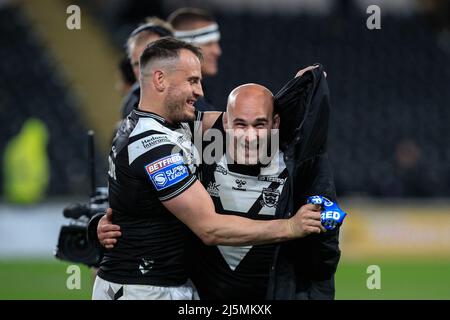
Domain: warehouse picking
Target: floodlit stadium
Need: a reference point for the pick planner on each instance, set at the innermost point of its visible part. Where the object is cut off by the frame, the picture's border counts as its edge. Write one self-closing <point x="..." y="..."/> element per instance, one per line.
<point x="64" y="72"/>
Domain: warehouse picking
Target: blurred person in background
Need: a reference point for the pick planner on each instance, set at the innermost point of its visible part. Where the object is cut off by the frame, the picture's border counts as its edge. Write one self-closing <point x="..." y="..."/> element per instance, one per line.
<point x="126" y="78"/>
<point x="411" y="177"/>
<point x="198" y="27"/>
<point x="152" y="29"/>
<point x="195" y="26"/>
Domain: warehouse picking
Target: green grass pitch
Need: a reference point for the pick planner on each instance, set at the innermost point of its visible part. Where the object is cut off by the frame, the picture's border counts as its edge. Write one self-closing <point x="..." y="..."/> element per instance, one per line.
<point x="46" y="279"/>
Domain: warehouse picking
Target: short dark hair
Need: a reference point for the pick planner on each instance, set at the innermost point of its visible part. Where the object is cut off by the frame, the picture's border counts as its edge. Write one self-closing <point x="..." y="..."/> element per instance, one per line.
<point x="166" y="48"/>
<point x="181" y="18"/>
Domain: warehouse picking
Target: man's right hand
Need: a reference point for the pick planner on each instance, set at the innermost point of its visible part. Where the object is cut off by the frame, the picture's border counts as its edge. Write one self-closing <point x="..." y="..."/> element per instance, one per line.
<point x="302" y="71"/>
<point x="107" y="232"/>
<point x="307" y="220"/>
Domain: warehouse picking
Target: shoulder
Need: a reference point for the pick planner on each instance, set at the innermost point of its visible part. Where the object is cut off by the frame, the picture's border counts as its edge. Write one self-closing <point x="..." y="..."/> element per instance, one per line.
<point x="150" y="136"/>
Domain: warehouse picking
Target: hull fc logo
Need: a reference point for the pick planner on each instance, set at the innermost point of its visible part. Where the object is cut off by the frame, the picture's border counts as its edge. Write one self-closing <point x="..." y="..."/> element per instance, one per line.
<point x="146" y="265"/>
<point x="213" y="189"/>
<point x="240" y="184"/>
<point x="270" y="197"/>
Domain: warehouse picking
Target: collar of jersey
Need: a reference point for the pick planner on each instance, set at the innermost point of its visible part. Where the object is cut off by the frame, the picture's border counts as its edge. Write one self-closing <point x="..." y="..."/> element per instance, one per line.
<point x="148" y="114"/>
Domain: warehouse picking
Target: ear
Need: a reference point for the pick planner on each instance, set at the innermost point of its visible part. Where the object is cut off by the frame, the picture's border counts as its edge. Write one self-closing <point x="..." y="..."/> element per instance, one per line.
<point x="159" y="80"/>
<point x="276" y="121"/>
<point x="225" y="120"/>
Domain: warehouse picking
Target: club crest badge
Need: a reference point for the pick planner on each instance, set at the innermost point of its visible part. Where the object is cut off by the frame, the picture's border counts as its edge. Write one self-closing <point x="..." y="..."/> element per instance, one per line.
<point x="270" y="197"/>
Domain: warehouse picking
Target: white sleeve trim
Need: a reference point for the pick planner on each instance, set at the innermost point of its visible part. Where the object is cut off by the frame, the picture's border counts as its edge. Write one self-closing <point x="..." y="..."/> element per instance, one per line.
<point x="180" y="190"/>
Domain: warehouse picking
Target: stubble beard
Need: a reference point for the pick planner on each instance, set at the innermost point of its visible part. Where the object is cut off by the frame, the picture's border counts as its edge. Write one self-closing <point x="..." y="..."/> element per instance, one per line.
<point x="176" y="107"/>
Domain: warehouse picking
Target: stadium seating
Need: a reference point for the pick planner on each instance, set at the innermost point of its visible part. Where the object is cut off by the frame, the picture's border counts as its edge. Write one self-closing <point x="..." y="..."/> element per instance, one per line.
<point x="389" y="88"/>
<point x="32" y="86"/>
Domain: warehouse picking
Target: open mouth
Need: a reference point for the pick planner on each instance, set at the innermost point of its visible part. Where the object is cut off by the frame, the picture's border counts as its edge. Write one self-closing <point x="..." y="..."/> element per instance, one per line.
<point x="190" y="102"/>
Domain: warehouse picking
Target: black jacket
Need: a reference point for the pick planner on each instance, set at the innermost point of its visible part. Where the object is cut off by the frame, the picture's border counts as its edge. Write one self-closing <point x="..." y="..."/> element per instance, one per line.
<point x="304" y="268"/>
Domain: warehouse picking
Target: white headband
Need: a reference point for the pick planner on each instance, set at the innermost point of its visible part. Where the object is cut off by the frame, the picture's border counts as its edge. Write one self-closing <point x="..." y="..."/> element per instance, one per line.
<point x="200" y="36"/>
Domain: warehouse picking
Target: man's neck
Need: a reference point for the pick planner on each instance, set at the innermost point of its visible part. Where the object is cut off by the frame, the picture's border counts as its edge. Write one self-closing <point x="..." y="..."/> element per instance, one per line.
<point x="155" y="107"/>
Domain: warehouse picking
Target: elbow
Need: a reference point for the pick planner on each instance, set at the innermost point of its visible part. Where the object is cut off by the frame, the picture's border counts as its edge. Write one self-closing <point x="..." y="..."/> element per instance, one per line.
<point x="209" y="239"/>
<point x="208" y="236"/>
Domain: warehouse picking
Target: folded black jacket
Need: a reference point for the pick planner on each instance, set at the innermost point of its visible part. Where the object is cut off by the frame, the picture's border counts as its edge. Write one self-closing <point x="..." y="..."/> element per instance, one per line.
<point x="304" y="268"/>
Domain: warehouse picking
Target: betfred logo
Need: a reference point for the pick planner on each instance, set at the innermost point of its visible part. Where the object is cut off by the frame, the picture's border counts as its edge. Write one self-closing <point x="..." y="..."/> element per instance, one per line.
<point x="334" y="215"/>
<point x="163" y="163"/>
<point x="167" y="171"/>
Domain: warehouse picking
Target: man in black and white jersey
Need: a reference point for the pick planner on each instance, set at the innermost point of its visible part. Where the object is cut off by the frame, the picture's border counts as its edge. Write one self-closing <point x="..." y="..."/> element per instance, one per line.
<point x="249" y="187"/>
<point x="154" y="193"/>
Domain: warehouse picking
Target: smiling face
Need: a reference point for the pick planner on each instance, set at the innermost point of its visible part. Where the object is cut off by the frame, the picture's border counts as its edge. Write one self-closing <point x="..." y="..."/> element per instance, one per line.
<point x="250" y="117"/>
<point x="183" y="88"/>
